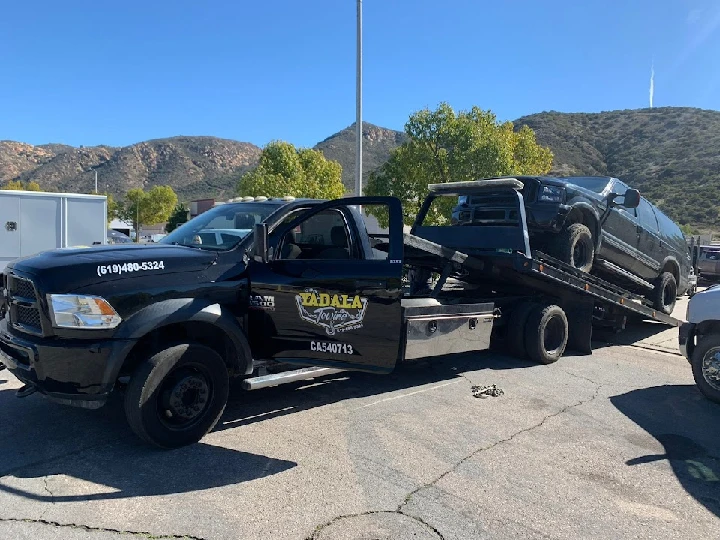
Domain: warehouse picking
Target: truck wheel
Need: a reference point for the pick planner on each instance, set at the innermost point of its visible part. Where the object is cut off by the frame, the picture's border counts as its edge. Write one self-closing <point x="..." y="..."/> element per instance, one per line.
<point x="177" y="396"/>
<point x="515" y="337"/>
<point x="546" y="334"/>
<point x="664" y="294"/>
<point x="705" y="364"/>
<point x="575" y="246"/>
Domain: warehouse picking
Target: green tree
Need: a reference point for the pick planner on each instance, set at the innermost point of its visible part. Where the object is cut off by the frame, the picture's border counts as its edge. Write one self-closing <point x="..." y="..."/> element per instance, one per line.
<point x="113" y="207"/>
<point x="177" y="218"/>
<point x="445" y="146"/>
<point x="17" y="185"/>
<point x="147" y="207"/>
<point x="285" y="170"/>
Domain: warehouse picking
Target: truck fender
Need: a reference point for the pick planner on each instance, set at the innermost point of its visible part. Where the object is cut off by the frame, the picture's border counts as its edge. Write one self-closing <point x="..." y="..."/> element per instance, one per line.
<point x="588" y="209"/>
<point x="179" y="310"/>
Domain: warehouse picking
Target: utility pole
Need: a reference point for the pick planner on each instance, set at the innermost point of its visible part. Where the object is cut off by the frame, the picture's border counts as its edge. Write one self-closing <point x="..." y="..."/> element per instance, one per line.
<point x="137" y="221"/>
<point x="358" y="112"/>
<point x="95" y="182"/>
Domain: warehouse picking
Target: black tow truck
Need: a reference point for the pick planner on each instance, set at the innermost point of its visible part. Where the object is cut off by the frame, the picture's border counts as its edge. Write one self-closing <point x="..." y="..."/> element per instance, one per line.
<point x="279" y="290"/>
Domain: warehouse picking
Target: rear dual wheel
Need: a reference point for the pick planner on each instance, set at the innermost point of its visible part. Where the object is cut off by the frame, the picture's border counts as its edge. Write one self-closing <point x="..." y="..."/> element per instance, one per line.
<point x="538" y="331"/>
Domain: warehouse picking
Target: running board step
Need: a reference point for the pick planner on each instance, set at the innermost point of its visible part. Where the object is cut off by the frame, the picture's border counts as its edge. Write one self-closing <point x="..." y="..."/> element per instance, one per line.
<point x="610" y="267"/>
<point x="275" y="379"/>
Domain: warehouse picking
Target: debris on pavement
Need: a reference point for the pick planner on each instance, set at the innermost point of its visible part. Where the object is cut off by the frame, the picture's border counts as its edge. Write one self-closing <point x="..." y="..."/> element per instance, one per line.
<point x="487" y="391"/>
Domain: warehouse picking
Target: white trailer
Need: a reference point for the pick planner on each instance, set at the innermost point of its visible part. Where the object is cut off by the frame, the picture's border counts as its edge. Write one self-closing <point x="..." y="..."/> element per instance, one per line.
<point x="33" y="221"/>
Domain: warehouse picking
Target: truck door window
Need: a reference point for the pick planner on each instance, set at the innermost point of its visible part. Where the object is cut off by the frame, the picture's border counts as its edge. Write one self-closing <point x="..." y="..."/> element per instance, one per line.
<point x="322" y="236"/>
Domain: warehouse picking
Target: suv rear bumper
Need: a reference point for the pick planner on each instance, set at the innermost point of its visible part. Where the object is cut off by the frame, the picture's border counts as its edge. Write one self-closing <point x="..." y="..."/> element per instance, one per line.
<point x="71" y="372"/>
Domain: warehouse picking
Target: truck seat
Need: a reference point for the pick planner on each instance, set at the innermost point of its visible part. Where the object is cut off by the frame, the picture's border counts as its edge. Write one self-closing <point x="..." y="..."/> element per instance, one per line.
<point x="340" y="247"/>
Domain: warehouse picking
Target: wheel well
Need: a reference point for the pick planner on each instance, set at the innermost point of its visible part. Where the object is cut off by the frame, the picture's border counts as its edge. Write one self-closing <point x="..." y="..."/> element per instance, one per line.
<point x="197" y="332"/>
<point x="672" y="267"/>
<point x="586" y="217"/>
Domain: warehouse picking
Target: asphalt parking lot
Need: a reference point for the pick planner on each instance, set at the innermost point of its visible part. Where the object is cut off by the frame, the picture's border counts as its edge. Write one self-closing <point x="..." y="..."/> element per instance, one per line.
<point x="619" y="444"/>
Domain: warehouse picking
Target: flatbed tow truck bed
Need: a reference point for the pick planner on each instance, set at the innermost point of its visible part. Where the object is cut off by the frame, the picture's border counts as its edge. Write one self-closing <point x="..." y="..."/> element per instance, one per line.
<point x="495" y="264"/>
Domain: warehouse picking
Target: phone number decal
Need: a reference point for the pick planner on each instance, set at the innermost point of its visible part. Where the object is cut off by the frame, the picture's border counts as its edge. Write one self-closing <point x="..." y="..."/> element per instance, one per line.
<point x="124" y="268"/>
<point x="333" y="348"/>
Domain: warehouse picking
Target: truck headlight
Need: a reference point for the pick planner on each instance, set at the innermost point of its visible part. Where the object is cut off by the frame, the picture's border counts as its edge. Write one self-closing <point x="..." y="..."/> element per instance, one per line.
<point x="551" y="194"/>
<point x="80" y="311"/>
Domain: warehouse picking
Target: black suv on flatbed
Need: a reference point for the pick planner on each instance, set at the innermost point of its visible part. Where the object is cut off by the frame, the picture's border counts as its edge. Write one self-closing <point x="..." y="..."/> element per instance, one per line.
<point x="598" y="224"/>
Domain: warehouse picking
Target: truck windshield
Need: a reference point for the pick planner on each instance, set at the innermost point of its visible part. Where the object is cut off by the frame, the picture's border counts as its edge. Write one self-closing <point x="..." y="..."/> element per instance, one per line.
<point x="592" y="183"/>
<point x="221" y="228"/>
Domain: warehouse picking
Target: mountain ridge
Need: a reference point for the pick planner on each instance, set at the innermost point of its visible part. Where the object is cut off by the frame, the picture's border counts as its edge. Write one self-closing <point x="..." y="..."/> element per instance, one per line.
<point x="667" y="152"/>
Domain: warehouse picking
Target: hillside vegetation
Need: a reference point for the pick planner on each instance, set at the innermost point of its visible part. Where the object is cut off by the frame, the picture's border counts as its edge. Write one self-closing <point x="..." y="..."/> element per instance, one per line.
<point x="671" y="154"/>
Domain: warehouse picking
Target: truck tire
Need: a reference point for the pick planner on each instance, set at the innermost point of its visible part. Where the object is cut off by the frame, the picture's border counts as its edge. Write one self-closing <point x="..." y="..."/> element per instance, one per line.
<point x="705" y="364"/>
<point x="177" y="396"/>
<point x="546" y="334"/>
<point x="664" y="295"/>
<point x="515" y="336"/>
<point x="575" y="246"/>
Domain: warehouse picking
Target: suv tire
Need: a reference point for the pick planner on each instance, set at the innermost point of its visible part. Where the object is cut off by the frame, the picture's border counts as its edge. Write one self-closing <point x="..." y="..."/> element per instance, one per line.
<point x="177" y="395"/>
<point x="575" y="246"/>
<point x="664" y="295"/>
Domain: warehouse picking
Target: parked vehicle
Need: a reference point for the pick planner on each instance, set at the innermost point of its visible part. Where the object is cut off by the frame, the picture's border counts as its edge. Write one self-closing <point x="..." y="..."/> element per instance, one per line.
<point x="596" y="224"/>
<point x="298" y="289"/>
<point x="115" y="237"/>
<point x="34" y="221"/>
<point x="709" y="262"/>
<point x="700" y="340"/>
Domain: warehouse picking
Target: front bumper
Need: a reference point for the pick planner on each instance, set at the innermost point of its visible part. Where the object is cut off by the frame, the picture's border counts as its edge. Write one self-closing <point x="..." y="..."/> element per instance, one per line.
<point x="686" y="339"/>
<point x="73" y="372"/>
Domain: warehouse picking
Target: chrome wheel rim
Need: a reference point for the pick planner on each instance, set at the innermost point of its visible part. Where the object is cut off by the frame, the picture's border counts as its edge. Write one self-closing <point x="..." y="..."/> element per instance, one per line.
<point x="711" y="368"/>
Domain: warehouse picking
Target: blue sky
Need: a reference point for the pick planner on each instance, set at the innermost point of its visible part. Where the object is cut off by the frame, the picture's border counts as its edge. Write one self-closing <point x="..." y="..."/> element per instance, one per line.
<point x="89" y="72"/>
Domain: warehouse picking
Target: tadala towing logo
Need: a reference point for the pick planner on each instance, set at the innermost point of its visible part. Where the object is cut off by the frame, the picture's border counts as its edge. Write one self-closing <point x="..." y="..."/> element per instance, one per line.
<point x="333" y="312"/>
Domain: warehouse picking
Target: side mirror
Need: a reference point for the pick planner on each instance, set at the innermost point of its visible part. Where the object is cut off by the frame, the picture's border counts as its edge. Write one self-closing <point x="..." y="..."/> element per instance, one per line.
<point x="260" y="243"/>
<point x="631" y="198"/>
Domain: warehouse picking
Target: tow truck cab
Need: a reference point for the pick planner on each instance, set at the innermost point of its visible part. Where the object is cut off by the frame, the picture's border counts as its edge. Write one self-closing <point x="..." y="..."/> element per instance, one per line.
<point x="245" y="289"/>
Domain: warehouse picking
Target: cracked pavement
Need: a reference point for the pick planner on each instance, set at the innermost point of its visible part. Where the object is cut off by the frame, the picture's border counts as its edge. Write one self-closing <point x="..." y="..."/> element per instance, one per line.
<point x="613" y="445"/>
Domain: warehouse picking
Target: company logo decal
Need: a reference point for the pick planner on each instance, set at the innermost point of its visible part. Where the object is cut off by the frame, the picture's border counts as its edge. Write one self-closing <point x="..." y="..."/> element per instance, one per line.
<point x="333" y="312"/>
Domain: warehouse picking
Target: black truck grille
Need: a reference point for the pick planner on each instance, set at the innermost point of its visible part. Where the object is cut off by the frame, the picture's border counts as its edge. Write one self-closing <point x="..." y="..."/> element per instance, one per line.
<point x="23" y="288"/>
<point x="28" y="316"/>
<point x="23" y="308"/>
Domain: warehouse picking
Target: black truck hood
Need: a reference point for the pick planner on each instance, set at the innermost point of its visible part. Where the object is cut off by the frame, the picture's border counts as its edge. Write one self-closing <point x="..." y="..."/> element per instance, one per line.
<point x="62" y="270"/>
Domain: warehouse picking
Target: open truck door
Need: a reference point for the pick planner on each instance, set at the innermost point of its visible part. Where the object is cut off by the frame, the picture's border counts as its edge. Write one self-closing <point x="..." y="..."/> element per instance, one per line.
<point x="321" y="294"/>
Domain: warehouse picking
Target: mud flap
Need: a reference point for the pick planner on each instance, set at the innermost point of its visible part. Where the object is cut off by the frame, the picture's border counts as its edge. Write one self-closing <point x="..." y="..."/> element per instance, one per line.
<point x="580" y="318"/>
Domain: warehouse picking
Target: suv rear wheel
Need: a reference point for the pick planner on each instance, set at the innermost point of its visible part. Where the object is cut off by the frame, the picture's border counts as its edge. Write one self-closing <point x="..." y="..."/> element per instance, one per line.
<point x="575" y="246"/>
<point x="664" y="295"/>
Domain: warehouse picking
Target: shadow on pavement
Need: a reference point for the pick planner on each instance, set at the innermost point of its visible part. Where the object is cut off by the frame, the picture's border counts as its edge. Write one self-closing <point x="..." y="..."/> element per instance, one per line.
<point x="39" y="438"/>
<point x="685" y="423"/>
<point x="250" y="407"/>
<point x="635" y="332"/>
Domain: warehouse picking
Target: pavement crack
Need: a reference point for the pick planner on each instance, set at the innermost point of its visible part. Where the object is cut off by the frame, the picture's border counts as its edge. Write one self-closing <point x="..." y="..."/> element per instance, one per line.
<point x="324" y="526"/>
<point x="540" y="424"/>
<point x="47" y="489"/>
<point x="87" y="528"/>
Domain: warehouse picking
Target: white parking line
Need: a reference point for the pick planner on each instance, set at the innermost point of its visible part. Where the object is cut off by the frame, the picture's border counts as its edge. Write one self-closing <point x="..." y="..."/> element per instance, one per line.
<point x="408" y="394"/>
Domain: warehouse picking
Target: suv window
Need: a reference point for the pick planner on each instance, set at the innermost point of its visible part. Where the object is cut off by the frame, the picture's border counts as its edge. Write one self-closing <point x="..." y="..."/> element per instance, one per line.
<point x="321" y="236"/>
<point x="669" y="229"/>
<point x="646" y="216"/>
